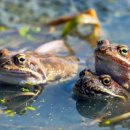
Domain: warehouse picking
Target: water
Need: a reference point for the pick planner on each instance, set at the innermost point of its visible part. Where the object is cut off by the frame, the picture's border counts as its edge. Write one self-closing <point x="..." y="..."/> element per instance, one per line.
<point x="56" y="109"/>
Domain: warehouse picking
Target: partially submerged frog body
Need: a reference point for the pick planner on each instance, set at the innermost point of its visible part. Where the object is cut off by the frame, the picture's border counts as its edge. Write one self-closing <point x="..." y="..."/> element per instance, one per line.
<point x="114" y="60"/>
<point x="32" y="68"/>
<point x="92" y="85"/>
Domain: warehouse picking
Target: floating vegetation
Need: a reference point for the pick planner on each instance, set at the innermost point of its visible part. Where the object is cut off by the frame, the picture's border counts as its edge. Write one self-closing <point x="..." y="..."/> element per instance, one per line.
<point x="85" y="24"/>
<point x="30" y="108"/>
<point x="114" y="120"/>
<point x="23" y="31"/>
<point x="9" y="112"/>
<point x="25" y="89"/>
<point x="3" y="28"/>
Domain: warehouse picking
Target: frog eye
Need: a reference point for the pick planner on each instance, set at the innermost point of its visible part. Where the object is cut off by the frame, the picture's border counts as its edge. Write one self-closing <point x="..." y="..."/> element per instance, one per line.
<point x="21" y="59"/>
<point x="106" y="80"/>
<point x="123" y="50"/>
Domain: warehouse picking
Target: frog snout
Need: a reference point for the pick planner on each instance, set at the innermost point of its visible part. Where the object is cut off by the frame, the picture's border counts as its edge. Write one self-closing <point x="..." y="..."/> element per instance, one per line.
<point x="103" y="43"/>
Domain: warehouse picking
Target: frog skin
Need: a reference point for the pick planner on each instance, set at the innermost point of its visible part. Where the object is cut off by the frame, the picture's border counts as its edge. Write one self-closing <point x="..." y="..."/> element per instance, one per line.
<point x="92" y="85"/>
<point x="31" y="68"/>
<point x="114" y="60"/>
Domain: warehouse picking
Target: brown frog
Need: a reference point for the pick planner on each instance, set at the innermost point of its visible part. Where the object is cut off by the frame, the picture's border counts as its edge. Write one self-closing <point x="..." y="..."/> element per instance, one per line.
<point x="114" y="60"/>
<point x="32" y="68"/>
<point x="92" y="85"/>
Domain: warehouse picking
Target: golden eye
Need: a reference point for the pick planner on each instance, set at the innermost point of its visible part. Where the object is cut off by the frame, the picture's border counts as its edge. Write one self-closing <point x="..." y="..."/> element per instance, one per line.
<point x="21" y="59"/>
<point x="106" y="80"/>
<point x="123" y="50"/>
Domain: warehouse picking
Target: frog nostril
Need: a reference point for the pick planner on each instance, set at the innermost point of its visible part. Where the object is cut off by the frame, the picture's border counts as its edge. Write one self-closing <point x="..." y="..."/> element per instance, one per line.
<point x="100" y="43"/>
<point x="103" y="43"/>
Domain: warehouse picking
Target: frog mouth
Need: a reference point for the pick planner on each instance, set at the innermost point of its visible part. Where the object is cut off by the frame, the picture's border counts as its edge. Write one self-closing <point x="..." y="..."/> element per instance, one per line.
<point x="23" y="76"/>
<point x="113" y="94"/>
<point x="14" y="72"/>
<point x="22" y="72"/>
<point x="103" y="92"/>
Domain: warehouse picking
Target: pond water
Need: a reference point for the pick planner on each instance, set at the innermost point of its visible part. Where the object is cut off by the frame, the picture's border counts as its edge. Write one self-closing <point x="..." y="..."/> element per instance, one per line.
<point x="55" y="108"/>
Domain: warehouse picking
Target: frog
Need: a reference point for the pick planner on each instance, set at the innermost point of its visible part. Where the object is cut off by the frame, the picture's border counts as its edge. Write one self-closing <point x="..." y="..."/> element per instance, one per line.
<point x="113" y="59"/>
<point x="96" y="86"/>
<point x="33" y="68"/>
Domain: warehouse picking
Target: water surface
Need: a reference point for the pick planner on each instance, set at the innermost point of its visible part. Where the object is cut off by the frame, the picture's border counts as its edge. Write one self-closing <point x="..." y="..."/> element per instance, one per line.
<point x="56" y="109"/>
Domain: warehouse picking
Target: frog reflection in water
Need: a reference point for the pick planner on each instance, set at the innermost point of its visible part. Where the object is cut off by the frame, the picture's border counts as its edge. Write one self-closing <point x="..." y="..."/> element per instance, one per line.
<point x="92" y="85"/>
<point x="114" y="60"/>
<point x="34" y="68"/>
<point x="18" y="100"/>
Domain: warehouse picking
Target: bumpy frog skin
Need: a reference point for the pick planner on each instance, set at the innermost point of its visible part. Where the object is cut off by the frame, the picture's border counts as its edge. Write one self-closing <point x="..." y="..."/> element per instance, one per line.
<point x="32" y="68"/>
<point x="114" y="60"/>
<point x="90" y="84"/>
